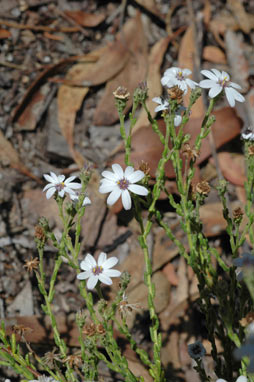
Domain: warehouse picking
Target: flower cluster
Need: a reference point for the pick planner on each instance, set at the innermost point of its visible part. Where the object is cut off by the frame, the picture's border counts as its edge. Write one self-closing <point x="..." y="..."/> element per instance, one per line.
<point x="217" y="82"/>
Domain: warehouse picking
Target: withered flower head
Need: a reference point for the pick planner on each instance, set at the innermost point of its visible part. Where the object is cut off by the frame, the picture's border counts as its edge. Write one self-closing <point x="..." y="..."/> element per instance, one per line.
<point x="237" y="215"/>
<point x="189" y="152"/>
<point x="89" y="329"/>
<point x="126" y="308"/>
<point x="40" y="234"/>
<point x="73" y="360"/>
<point x="100" y="329"/>
<point x="121" y="93"/>
<point x="203" y="188"/>
<point x="249" y="319"/>
<point x="145" y="168"/>
<point x="176" y="94"/>
<point x="32" y="264"/>
<point x="50" y="357"/>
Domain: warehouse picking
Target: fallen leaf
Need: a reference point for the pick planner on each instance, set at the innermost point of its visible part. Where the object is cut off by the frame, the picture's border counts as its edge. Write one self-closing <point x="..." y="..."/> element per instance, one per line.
<point x="186" y="56"/>
<point x="110" y="60"/>
<point x="134" y="72"/>
<point x="69" y="101"/>
<point x="34" y="110"/>
<point x="214" y="54"/>
<point x="153" y="79"/>
<point x="9" y="156"/>
<point x="241" y="16"/>
<point x="232" y="166"/>
<point x="85" y="19"/>
<point x="169" y="271"/>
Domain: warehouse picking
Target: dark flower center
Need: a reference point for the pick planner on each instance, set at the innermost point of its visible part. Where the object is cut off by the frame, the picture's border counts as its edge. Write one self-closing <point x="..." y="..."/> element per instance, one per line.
<point x="97" y="270"/>
<point x="180" y="76"/>
<point x="123" y="184"/>
<point x="223" y="82"/>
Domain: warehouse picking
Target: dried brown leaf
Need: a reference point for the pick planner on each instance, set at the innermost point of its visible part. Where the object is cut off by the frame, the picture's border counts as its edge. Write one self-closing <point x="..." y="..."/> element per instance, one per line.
<point x="150" y="5"/>
<point x="4" y="33"/>
<point x="69" y="101"/>
<point x="9" y="156"/>
<point x="85" y="19"/>
<point x="134" y="71"/>
<point x="214" y="54"/>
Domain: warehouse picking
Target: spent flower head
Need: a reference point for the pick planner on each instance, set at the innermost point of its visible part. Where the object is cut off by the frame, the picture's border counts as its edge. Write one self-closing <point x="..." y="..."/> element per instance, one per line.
<point x="178" y="77"/>
<point x="75" y="199"/>
<point x="60" y="185"/>
<point x="98" y="271"/>
<point x="219" y="81"/>
<point x="121" y="183"/>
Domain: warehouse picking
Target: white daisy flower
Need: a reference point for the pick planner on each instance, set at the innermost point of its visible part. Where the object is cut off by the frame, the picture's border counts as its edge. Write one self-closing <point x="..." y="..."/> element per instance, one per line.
<point x="219" y="81"/>
<point x="75" y="199"/>
<point x="242" y="378"/>
<point x="120" y="182"/>
<point x="178" y="77"/>
<point x="162" y="104"/>
<point x="100" y="271"/>
<point x="59" y="185"/>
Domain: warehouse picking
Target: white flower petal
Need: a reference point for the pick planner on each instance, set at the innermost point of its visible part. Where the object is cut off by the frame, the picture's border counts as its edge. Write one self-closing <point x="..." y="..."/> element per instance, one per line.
<point x="70" y="179"/>
<point x="102" y="258"/>
<point x="107" y="186"/>
<point x="112" y="273"/>
<point x="126" y="200"/>
<point x="118" y="170"/>
<point x="54" y="177"/>
<point x="105" y="279"/>
<point x="92" y="281"/>
<point x="225" y="75"/>
<point x="157" y="100"/>
<point x="242" y="378"/>
<point x="136" y="176"/>
<point x="61" y="193"/>
<point x="110" y="176"/>
<point x="206" y="84"/>
<point x="209" y="75"/>
<point x="61" y="178"/>
<point x="86" y="265"/>
<point x="177" y="120"/>
<point x="234" y="85"/>
<point x="86" y="202"/>
<point x="230" y="97"/>
<point x="238" y="96"/>
<point x="139" y="190"/>
<point x="90" y="260"/>
<point x="217" y="73"/>
<point x="74" y="186"/>
<point x="114" y="196"/>
<point x="49" y="185"/>
<point x="221" y="380"/>
<point x="84" y="275"/>
<point x="191" y="84"/>
<point x="128" y="171"/>
<point x="50" y="178"/>
<point x="109" y="263"/>
<point x="186" y="72"/>
<point x="50" y="192"/>
<point x="215" y="90"/>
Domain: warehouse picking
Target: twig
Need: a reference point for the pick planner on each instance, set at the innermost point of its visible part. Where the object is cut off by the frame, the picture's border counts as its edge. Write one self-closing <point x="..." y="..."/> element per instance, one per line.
<point x="13" y="66"/>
